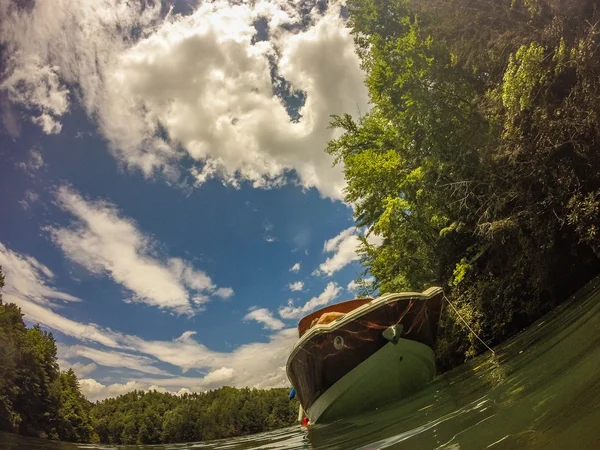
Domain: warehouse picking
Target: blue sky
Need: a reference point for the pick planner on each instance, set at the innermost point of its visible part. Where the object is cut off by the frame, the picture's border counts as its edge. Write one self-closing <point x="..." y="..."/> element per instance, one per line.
<point x="168" y="211"/>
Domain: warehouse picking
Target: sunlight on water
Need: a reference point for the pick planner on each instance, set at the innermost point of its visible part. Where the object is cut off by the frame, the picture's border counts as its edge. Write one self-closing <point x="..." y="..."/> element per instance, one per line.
<point x="541" y="390"/>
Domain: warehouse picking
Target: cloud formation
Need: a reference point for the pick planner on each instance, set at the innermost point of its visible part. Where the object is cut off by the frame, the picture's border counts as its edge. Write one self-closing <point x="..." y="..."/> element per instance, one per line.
<point x="343" y="249"/>
<point x="110" y="358"/>
<point x="200" y="86"/>
<point x="104" y="242"/>
<point x="296" y="286"/>
<point x="26" y="277"/>
<point x="264" y="316"/>
<point x="353" y="286"/>
<point x="256" y="364"/>
<point x="295" y="267"/>
<point x="331" y="292"/>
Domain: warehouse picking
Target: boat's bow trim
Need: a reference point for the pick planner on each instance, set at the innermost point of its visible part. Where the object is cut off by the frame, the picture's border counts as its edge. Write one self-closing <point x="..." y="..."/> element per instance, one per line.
<point x="365" y="308"/>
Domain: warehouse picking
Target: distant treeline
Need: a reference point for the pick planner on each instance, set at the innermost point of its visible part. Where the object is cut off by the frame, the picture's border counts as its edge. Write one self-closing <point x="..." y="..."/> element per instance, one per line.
<point x="36" y="399"/>
<point x="479" y="162"/>
<point x="153" y="417"/>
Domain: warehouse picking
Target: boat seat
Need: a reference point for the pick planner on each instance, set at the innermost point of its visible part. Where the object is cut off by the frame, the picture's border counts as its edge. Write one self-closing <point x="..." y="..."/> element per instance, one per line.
<point x="326" y="318"/>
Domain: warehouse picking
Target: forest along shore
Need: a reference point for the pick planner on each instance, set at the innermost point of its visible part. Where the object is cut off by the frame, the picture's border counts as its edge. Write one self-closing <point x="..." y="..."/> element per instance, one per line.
<point x="478" y="163"/>
<point x="37" y="399"/>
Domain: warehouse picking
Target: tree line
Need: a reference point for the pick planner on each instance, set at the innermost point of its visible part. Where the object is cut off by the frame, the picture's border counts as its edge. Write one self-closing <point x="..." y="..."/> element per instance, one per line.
<point x="153" y="417"/>
<point x="37" y="399"/>
<point x="479" y="162"/>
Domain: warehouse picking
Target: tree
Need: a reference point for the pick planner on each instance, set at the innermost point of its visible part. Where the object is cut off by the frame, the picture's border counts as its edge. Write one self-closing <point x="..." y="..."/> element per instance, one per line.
<point x="477" y="164"/>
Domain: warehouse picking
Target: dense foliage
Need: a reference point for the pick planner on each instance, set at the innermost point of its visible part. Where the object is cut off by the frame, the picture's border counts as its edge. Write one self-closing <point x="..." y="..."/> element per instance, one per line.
<point x="479" y="163"/>
<point x="153" y="417"/>
<point x="37" y="399"/>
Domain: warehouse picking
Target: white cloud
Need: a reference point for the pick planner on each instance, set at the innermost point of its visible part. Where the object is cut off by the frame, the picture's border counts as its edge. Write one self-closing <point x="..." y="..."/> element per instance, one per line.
<point x="256" y="364"/>
<point x="80" y="369"/>
<point x="84" y="331"/>
<point x="94" y="390"/>
<point x="219" y="376"/>
<point x="28" y="278"/>
<point x="34" y="163"/>
<point x="55" y="43"/>
<point x="103" y="241"/>
<point x="331" y="292"/>
<point x="264" y="316"/>
<point x="200" y="78"/>
<point x="344" y="247"/>
<point x="111" y="358"/>
<point x="295" y="267"/>
<point x="296" y="286"/>
<point x="353" y="286"/>
<point x="36" y="85"/>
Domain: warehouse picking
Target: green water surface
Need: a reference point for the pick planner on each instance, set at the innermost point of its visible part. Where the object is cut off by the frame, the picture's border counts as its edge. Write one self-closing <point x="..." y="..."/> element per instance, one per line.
<point x="540" y="390"/>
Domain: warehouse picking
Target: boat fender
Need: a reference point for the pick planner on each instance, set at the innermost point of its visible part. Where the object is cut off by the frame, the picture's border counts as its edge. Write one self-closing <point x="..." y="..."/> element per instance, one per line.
<point x="305" y="422"/>
<point x="338" y="342"/>
<point x="393" y="333"/>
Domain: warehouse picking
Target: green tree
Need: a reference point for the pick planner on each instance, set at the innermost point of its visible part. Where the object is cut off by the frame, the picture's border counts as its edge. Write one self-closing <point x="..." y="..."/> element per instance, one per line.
<point x="35" y="398"/>
<point x="477" y="164"/>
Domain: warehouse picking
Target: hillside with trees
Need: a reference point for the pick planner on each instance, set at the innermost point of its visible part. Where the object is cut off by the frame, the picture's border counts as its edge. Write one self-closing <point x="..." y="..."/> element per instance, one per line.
<point x="37" y="399"/>
<point x="153" y="417"/>
<point x="479" y="161"/>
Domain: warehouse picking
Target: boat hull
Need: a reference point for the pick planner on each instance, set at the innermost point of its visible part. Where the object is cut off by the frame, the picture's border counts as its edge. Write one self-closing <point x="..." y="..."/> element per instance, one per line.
<point x="394" y="372"/>
<point x="328" y="355"/>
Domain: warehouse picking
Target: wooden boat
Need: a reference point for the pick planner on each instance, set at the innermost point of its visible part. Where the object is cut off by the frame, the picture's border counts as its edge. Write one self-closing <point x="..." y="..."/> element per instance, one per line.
<point x="361" y="353"/>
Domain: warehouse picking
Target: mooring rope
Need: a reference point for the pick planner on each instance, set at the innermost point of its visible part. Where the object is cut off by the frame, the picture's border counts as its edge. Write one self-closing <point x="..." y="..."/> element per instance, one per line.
<point x="467" y="325"/>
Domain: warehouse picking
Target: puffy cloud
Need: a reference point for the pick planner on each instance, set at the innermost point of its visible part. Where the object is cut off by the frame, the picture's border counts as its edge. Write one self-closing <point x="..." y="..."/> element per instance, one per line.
<point x="102" y="241"/>
<point x="224" y="293"/>
<point x="331" y="292"/>
<point x="94" y="390"/>
<point x="80" y="369"/>
<point x="264" y="316"/>
<point x="295" y="267"/>
<point x="344" y="248"/>
<point x="296" y="286"/>
<point x="219" y="376"/>
<point x="198" y="86"/>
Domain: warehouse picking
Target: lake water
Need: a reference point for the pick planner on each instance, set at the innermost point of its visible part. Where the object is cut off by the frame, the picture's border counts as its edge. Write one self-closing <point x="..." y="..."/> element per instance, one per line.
<point x="540" y="390"/>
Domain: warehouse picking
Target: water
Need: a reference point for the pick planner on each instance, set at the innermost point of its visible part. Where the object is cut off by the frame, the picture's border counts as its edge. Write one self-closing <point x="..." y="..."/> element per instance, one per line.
<point x="540" y="390"/>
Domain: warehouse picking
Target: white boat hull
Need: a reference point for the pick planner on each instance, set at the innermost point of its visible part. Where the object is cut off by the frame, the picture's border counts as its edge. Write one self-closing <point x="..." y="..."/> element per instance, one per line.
<point x="394" y="372"/>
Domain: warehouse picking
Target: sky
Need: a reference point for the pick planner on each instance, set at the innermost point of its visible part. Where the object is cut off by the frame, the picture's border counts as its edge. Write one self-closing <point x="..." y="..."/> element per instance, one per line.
<point x="167" y="208"/>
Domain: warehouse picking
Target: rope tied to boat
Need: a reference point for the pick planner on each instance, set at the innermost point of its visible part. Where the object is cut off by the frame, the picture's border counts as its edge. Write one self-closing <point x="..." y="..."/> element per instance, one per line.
<point x="467" y="325"/>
